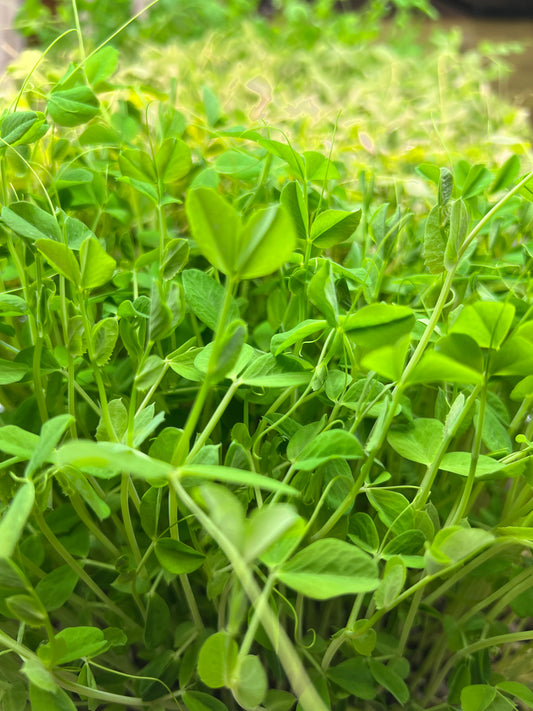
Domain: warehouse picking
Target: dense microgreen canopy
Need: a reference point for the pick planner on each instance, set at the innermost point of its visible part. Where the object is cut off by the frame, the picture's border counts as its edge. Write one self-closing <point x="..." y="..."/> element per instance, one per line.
<point x="265" y="427"/>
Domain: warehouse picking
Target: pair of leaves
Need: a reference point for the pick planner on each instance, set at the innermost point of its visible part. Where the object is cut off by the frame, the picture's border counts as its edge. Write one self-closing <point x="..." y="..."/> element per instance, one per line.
<point x="219" y="665"/>
<point x="255" y="249"/>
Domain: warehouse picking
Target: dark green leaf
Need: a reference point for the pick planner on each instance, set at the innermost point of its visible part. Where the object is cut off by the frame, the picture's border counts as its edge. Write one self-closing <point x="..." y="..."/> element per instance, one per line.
<point x="390" y="680"/>
<point x="176" y="557"/>
<point x="205" y="297"/>
<point x="56" y="587"/>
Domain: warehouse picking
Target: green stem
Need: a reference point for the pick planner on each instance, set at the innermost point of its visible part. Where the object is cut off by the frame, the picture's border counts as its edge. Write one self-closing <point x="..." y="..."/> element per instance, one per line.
<point x="291" y="662"/>
<point x="73" y="563"/>
<point x="126" y="517"/>
<point x="496" y="641"/>
<point x="80" y="508"/>
<point x="463" y="505"/>
<point x="429" y="477"/>
<point x="182" y="447"/>
<point x="213" y="421"/>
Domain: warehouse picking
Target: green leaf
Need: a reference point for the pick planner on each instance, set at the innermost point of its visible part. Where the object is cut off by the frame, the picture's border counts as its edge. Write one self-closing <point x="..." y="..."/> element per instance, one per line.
<point x="394" y="510"/>
<point x="270" y="372"/>
<point x="328" y="445"/>
<point x="12" y="305"/>
<point x="434" y="241"/>
<point x="459" y="463"/>
<point x="175" y="257"/>
<point x="390" y="680"/>
<point x="11" y="371"/>
<point x="104" y="336"/>
<point x="225" y="510"/>
<point x="238" y="163"/>
<point x="51" y="433"/>
<point x="231" y="475"/>
<point x="477" y="697"/>
<point x="157" y="623"/>
<point x="20" y="128"/>
<point x="212" y="108"/>
<point x="521" y="691"/>
<point x="478" y="178"/>
<point x="331" y="227"/>
<point x="100" y="66"/>
<point x="73" y="643"/>
<point x="420" y="442"/>
<point x="362" y="531"/>
<point x="378" y="325"/>
<point x="27" y="609"/>
<point x="55" y="589"/>
<point x="300" y="332"/>
<point x="293" y="200"/>
<point x="61" y="257"/>
<point x="250" y="685"/>
<point x="321" y="292"/>
<point x="37" y="675"/>
<point x="319" y="167"/>
<point x="407" y="545"/>
<point x="363" y="639"/>
<point x="282" y="150"/>
<point x="42" y="700"/>
<point x="459" y="224"/>
<point x="265" y="526"/>
<point x="205" y="297"/>
<point x="445" y="186"/>
<point x="506" y="174"/>
<point x="224" y="358"/>
<point x="392" y="583"/>
<point x="329" y="568"/>
<point x="14" y="519"/>
<point x="97" y="267"/>
<point x="453" y="544"/>
<point x="278" y="700"/>
<point x="214" y="224"/>
<point x="217" y="660"/>
<point x="198" y="701"/>
<point x="487" y="322"/>
<point x="30" y="221"/>
<point x="353" y="676"/>
<point x="263" y="245"/>
<point x="267" y="241"/>
<point x="176" y="557"/>
<point x="458" y="361"/>
<point x="388" y="361"/>
<point x="138" y="166"/>
<point x="173" y="160"/>
<point x="107" y="459"/>
<point x="72" y="107"/>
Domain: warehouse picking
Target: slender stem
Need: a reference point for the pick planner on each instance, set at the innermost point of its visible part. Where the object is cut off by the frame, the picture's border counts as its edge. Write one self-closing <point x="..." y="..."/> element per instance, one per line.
<point x="78" y="29"/>
<point x="496" y="641"/>
<point x="76" y="567"/>
<point x="462" y="507"/>
<point x="215" y="417"/>
<point x="182" y="447"/>
<point x="291" y="662"/>
<point x="424" y="491"/>
<point x="126" y="517"/>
